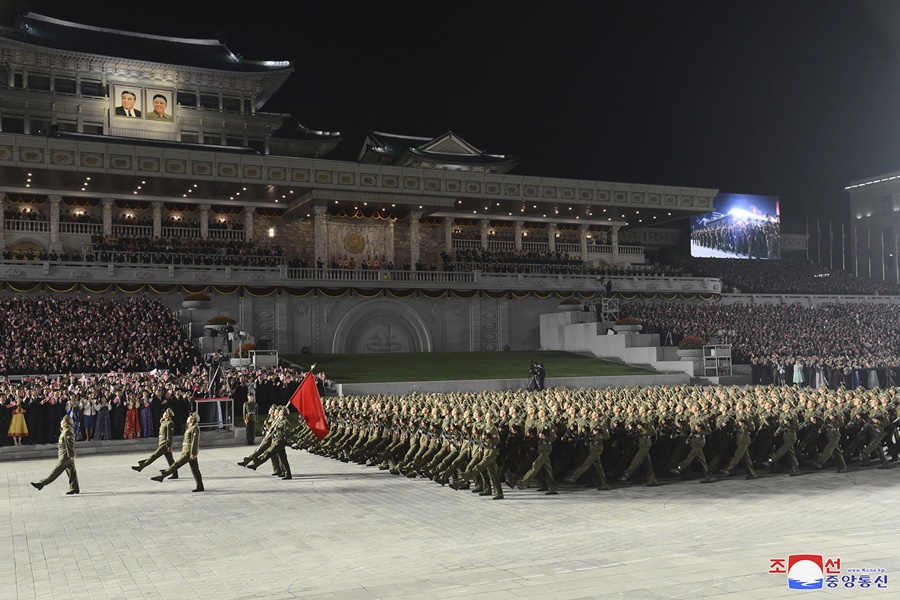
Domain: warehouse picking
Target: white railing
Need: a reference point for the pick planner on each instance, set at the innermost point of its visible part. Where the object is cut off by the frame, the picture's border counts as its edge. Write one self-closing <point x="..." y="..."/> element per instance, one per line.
<point x="501" y="245"/>
<point x="226" y="234"/>
<point x="82" y="228"/>
<point x="132" y="230"/>
<point x="536" y="246"/>
<point x="382" y="276"/>
<point x="465" y="244"/>
<point x="568" y="248"/>
<point x="181" y="232"/>
<point x="26" y="226"/>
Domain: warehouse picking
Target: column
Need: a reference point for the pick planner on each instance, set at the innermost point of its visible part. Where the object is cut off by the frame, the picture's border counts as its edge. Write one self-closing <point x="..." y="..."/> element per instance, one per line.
<point x="584" y="233"/>
<point x="2" y="221"/>
<point x="414" y="234"/>
<point x="54" y="219"/>
<point x="448" y="236"/>
<point x="517" y="228"/>
<point x="320" y="234"/>
<point x="614" y="242"/>
<point x="204" y="221"/>
<point x="551" y="236"/>
<point x="156" y="207"/>
<point x="107" y="216"/>
<point x="484" y="232"/>
<point x="248" y="223"/>
<point x="389" y="242"/>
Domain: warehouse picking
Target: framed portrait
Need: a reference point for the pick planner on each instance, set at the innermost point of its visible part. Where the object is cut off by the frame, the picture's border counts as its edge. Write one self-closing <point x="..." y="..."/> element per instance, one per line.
<point x="160" y="105"/>
<point x="127" y="101"/>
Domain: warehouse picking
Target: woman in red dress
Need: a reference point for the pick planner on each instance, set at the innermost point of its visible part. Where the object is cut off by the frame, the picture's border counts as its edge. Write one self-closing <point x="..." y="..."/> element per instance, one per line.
<point x="132" y="430"/>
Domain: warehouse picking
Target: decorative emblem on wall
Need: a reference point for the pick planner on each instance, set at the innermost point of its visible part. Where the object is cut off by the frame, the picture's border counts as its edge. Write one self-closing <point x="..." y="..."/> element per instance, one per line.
<point x="62" y="158"/>
<point x="200" y="276"/>
<point x="301" y="309"/>
<point x="5" y="153"/>
<point x="12" y="272"/>
<point x="255" y="277"/>
<point x="79" y="273"/>
<point x="141" y="275"/>
<point x="329" y="306"/>
<point x="354" y="242"/>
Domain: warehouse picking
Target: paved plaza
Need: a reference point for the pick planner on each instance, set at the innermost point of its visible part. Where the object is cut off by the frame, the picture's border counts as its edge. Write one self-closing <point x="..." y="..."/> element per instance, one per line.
<point x="343" y="531"/>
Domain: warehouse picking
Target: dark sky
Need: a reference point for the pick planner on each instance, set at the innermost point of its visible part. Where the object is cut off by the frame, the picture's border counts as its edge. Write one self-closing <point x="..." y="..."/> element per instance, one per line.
<point x="787" y="98"/>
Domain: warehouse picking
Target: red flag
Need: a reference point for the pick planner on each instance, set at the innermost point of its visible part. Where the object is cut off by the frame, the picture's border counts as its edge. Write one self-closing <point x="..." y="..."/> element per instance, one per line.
<point x="308" y="403"/>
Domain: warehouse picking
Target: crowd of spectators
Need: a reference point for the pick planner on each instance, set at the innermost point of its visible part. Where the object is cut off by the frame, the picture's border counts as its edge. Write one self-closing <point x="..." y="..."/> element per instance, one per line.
<point x="99" y="404"/>
<point x="182" y="251"/>
<point x="785" y="276"/>
<point x="28" y="214"/>
<point x="828" y="344"/>
<point x="73" y="334"/>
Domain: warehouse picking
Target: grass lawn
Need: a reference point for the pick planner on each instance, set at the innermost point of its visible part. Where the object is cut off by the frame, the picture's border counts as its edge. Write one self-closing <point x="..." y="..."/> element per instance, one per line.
<point x="450" y="366"/>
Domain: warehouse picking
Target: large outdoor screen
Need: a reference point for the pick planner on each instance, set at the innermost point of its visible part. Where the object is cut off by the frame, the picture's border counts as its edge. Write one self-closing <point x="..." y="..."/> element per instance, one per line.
<point x="740" y="226"/>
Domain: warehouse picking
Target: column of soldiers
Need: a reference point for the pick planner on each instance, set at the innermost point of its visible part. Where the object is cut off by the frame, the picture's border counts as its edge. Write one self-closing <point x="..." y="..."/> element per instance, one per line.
<point x="518" y="438"/>
<point x="752" y="238"/>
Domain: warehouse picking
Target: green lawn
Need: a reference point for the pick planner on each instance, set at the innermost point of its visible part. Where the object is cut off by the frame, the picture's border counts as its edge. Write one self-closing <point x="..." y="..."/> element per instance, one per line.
<point x="450" y="366"/>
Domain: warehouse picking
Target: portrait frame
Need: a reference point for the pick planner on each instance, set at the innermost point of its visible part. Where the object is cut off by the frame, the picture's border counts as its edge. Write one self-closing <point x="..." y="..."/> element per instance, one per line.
<point x="150" y="96"/>
<point x="117" y="110"/>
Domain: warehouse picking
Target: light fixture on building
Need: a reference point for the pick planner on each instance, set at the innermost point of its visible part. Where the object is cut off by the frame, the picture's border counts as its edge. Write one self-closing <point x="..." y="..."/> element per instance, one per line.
<point x="271" y="232"/>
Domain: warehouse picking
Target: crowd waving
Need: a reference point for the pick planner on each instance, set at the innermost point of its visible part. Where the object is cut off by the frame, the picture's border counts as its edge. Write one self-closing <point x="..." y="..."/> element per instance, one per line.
<point x="73" y="334"/>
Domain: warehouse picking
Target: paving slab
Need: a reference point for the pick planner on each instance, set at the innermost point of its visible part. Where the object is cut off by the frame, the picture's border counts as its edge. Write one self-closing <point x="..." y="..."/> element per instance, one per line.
<point x="346" y="531"/>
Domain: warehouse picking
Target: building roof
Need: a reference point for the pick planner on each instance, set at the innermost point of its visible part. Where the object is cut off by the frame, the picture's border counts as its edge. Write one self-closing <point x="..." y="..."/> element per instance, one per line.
<point x="448" y="151"/>
<point x="40" y="30"/>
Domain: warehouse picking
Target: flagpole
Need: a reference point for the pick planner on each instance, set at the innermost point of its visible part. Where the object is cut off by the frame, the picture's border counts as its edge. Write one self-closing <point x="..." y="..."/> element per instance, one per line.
<point x="843" y="249"/>
<point x="818" y="242"/>
<point x="896" y="261"/>
<point x="807" y="238"/>
<point x="830" y="247"/>
<point x="869" y="244"/>
<point x="883" y="276"/>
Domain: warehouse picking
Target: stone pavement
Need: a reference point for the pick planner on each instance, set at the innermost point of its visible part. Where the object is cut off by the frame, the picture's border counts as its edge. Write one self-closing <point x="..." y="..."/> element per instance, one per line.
<point x="342" y="531"/>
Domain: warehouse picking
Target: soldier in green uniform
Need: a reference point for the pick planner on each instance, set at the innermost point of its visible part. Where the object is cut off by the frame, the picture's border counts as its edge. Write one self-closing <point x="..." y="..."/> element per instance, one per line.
<point x="834" y="420"/>
<point x="594" y="438"/>
<point x="788" y="429"/>
<point x="490" y="443"/>
<point x="541" y="465"/>
<point x="280" y="434"/>
<point x="65" y="447"/>
<point x="742" y="428"/>
<point x="251" y="414"/>
<point x="697" y="441"/>
<point x="642" y="456"/>
<point x="190" y="448"/>
<point x="164" y="448"/>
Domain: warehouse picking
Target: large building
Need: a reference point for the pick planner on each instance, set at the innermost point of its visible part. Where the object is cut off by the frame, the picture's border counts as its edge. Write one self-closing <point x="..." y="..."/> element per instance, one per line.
<point x="112" y="135"/>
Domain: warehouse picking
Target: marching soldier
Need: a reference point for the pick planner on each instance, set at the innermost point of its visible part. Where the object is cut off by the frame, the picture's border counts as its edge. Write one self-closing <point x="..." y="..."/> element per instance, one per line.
<point x="65" y="447"/>
<point x="190" y="448"/>
<point x="251" y="414"/>
<point x="164" y="448"/>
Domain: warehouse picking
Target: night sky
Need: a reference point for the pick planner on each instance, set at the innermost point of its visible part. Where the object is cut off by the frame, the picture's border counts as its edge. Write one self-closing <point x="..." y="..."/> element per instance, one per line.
<point x="786" y="98"/>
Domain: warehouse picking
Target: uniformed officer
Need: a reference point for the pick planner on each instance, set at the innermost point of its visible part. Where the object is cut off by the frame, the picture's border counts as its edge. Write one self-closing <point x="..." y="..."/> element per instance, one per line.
<point x="280" y="434"/>
<point x="251" y="414"/>
<point x="65" y="447"/>
<point x="164" y="448"/>
<point x="190" y="448"/>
